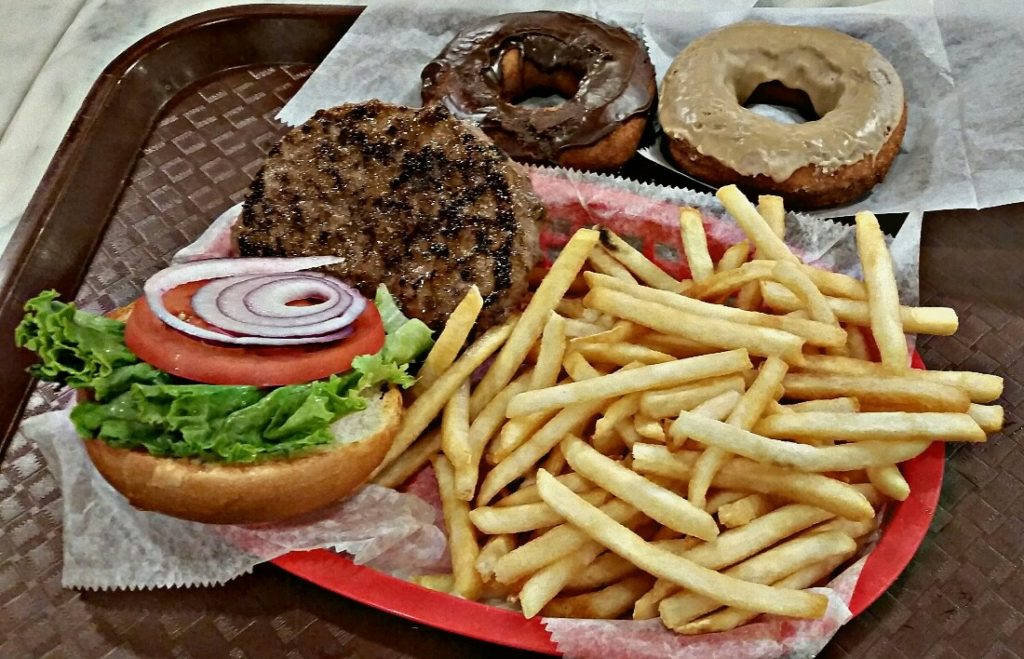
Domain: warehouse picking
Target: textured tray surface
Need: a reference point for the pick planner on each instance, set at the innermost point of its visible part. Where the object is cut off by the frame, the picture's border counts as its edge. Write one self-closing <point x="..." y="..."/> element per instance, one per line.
<point x="962" y="596"/>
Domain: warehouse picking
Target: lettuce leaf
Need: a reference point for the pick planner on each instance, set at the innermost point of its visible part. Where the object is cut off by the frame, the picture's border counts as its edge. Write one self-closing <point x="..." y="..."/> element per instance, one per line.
<point x="137" y="406"/>
<point x="74" y="347"/>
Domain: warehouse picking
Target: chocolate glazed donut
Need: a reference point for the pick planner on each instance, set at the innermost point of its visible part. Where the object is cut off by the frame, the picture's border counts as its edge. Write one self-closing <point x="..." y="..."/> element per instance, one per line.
<point x="603" y="72"/>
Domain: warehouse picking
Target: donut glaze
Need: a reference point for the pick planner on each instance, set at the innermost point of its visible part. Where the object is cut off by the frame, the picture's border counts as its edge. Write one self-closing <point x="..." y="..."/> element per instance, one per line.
<point x="604" y="73"/>
<point x="836" y="158"/>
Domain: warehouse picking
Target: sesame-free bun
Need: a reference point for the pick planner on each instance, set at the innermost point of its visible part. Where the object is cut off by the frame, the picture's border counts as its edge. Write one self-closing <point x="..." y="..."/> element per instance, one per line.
<point x="261" y="492"/>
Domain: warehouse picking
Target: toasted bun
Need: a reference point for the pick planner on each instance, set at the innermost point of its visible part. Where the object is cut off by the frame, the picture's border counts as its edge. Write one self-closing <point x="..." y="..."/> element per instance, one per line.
<point x="262" y="492"/>
<point x="253" y="493"/>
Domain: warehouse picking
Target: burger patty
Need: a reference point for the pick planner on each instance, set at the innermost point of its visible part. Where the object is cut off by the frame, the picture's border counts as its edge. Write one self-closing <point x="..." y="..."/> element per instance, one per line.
<point x="411" y="198"/>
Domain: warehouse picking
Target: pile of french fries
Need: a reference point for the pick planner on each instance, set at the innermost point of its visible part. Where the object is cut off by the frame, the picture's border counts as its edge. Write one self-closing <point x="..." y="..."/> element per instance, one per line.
<point x="701" y="450"/>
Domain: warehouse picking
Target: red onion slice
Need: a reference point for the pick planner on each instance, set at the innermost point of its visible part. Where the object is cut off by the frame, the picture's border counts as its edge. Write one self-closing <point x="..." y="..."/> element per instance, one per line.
<point x="307" y="325"/>
<point x="223" y="304"/>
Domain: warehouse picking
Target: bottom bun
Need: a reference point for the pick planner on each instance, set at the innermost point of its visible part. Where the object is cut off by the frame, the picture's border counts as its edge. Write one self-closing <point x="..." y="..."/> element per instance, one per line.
<point x="261" y="492"/>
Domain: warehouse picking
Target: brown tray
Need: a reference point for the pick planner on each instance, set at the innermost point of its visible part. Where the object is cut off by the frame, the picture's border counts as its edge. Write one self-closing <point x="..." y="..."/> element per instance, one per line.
<point x="169" y="136"/>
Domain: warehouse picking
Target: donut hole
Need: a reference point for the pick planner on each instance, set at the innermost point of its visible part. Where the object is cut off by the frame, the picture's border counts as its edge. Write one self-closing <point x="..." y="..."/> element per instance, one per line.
<point x="523" y="82"/>
<point x="775" y="93"/>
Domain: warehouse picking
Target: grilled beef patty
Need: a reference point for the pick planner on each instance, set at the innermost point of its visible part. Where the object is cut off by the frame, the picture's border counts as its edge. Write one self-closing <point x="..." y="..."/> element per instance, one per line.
<point x="412" y="198"/>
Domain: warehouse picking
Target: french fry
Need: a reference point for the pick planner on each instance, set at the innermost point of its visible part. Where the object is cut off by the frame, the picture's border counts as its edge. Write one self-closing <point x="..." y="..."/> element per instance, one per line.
<point x="455" y="441"/>
<point x="629" y="381"/>
<point x="842" y="457"/>
<point x="530" y="325"/>
<point x="606" y="604"/>
<point x="577" y="328"/>
<point x="883" y="296"/>
<point x="981" y="387"/>
<point x="757" y="229"/>
<point x="814" y="332"/>
<point x="411" y="460"/>
<point x="718" y="408"/>
<point x="648" y="428"/>
<point x="735" y="545"/>
<point x="495" y="547"/>
<point x="450" y="341"/>
<point x="889" y="392"/>
<point x="676" y="346"/>
<point x="570" y="307"/>
<point x="889" y="426"/>
<point x="766" y="568"/>
<point x="428" y="405"/>
<point x="695" y="244"/>
<point x="462" y="543"/>
<point x="889" y="481"/>
<point x="666" y="403"/>
<point x="496" y="520"/>
<point x="719" y="498"/>
<point x="622" y="331"/>
<point x="724" y="334"/>
<point x="661" y="563"/>
<point x="940" y="321"/>
<point x="555" y="543"/>
<point x="566" y="421"/>
<point x="513" y="434"/>
<point x="735" y="256"/>
<point x="742" y="474"/>
<point x="621" y="409"/>
<point x="483" y="428"/>
<point x="989" y="417"/>
<point x="623" y="353"/>
<point x="529" y="494"/>
<point x="634" y="260"/>
<point x="661" y="505"/>
<point x="553" y="462"/>
<point x="855" y="529"/>
<point x="748" y="410"/>
<point x="731" y="617"/>
<point x="725" y="282"/>
<point x="607" y="568"/>
<point x="745" y="510"/>
<point x="794" y="278"/>
<point x="771" y="208"/>
<point x="856" y="344"/>
<point x="833" y="285"/>
<point x="552" y="351"/>
<point x="627" y="433"/>
<point x="444" y="583"/>
<point x="603" y="262"/>
<point x="842" y="404"/>
<point x="545" y="584"/>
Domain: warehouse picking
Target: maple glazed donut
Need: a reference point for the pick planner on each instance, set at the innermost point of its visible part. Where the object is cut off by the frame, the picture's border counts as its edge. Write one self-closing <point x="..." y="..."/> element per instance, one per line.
<point x="832" y="160"/>
<point x="603" y="72"/>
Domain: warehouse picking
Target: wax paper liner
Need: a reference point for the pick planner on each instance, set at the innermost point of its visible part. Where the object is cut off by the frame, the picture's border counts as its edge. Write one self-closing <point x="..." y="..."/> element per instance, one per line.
<point x="576" y="198"/>
<point x="768" y="637"/>
<point x="110" y="544"/>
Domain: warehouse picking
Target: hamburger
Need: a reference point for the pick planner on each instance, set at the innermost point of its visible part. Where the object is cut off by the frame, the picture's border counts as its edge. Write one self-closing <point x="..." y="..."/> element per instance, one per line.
<point x="263" y="386"/>
<point x="237" y="432"/>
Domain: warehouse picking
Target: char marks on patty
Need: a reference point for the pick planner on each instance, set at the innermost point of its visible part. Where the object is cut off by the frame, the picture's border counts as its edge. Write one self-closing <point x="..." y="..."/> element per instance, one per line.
<point x="412" y="198"/>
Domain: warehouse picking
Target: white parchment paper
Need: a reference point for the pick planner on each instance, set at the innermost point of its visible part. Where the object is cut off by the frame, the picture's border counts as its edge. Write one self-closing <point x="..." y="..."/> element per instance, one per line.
<point x="110" y="544"/>
<point x="963" y="147"/>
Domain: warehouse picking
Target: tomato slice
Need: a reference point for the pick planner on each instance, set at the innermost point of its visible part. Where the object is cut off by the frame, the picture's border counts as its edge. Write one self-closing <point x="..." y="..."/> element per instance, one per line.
<point x="205" y="361"/>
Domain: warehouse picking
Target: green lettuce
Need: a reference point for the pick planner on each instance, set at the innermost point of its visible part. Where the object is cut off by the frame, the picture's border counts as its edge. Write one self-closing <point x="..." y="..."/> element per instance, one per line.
<point x="137" y="406"/>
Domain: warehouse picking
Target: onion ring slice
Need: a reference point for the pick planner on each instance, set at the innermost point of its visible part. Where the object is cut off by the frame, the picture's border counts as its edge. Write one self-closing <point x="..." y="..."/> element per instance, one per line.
<point x="183" y="273"/>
